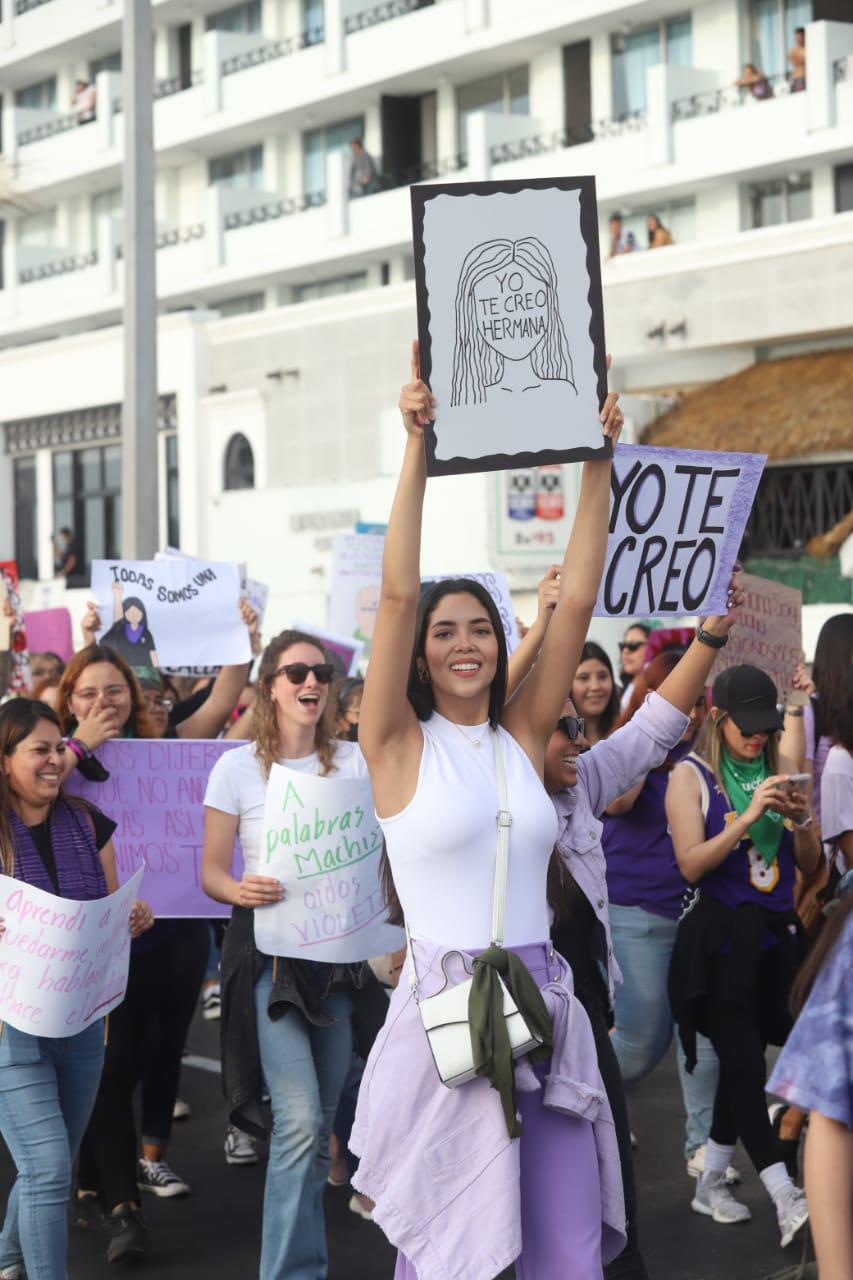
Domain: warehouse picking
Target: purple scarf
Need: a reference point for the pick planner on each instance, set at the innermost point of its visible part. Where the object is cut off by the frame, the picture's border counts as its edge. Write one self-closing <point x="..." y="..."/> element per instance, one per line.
<point x="78" y="866"/>
<point x="134" y="634"/>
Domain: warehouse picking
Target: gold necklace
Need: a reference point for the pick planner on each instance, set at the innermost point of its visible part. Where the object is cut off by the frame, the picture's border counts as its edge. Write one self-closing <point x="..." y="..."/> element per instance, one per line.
<point x="472" y="742"/>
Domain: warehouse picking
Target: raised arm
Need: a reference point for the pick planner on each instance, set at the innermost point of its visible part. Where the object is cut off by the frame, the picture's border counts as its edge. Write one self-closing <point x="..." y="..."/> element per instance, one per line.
<point x="212" y="715"/>
<point x="522" y="660"/>
<point x="534" y="710"/>
<point x="387" y="719"/>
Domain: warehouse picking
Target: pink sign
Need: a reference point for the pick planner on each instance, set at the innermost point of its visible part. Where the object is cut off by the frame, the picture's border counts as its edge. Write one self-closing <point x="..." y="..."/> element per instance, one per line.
<point x="155" y="792"/>
<point x="49" y="631"/>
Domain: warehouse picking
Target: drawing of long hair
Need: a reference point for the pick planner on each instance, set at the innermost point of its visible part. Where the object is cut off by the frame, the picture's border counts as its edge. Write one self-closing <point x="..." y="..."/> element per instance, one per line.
<point x="476" y="365"/>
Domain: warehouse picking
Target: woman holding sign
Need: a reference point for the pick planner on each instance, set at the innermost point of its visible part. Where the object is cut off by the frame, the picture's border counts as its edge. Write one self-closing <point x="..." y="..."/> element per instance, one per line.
<point x="740" y="824"/>
<point x="285" y="1022"/>
<point x="47" y="1085"/>
<point x="446" y="752"/>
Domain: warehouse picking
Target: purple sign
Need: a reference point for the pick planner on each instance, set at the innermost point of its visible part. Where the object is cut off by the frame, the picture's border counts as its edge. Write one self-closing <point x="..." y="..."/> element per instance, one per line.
<point x="49" y="630"/>
<point x="155" y="792"/>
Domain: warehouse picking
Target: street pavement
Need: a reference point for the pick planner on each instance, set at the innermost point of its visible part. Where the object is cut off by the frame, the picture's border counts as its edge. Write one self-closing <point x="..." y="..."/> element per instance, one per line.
<point x="215" y="1232"/>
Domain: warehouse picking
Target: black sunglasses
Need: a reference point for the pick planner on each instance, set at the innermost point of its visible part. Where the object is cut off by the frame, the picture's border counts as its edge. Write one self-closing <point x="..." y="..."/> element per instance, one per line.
<point x="297" y="672"/>
<point x="633" y="645"/>
<point x="572" y="726"/>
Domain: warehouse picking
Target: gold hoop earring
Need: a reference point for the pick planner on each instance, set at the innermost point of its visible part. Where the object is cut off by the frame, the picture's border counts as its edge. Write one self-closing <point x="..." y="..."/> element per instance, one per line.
<point x="423" y="675"/>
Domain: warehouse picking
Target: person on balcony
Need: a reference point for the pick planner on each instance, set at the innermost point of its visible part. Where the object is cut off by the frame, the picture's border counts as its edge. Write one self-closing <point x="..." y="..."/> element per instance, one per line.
<point x="754" y="81"/>
<point x="797" y="59"/>
<point x="659" y="235"/>
<point x="84" y="101"/>
<point x="363" y="178"/>
<point x="621" y="240"/>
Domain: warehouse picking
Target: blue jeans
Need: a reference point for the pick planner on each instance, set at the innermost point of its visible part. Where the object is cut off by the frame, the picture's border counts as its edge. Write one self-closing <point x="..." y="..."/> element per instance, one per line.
<point x="305" y="1068"/>
<point x="47" y="1091"/>
<point x="643" y="942"/>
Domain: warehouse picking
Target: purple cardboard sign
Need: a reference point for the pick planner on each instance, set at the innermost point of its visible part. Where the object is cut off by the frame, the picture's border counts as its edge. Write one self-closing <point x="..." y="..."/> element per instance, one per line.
<point x="677" y="517"/>
<point x="155" y="792"/>
<point x="49" y="631"/>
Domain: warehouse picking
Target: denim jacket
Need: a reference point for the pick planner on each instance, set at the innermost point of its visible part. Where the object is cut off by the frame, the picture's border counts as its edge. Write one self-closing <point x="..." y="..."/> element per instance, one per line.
<point x="607" y="771"/>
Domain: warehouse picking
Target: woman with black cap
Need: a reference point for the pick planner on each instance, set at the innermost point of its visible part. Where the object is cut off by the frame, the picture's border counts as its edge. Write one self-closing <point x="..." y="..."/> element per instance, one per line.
<point x="740" y="824"/>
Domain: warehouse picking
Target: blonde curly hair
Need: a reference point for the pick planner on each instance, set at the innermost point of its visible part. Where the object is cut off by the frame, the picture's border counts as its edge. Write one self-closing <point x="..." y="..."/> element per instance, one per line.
<point x="265" y="731"/>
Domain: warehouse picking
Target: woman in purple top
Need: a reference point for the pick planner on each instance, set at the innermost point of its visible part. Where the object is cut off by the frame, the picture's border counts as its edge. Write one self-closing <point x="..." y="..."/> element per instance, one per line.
<point x="739" y="826"/>
<point x="646" y="889"/>
<point x="47" y="1085"/>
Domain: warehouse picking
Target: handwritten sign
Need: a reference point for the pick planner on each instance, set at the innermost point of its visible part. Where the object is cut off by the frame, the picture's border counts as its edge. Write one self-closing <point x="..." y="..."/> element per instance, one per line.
<point x="49" y="630"/>
<point x="677" y="518"/>
<point x="171" y="612"/>
<point x="63" y="964"/>
<point x="155" y="792"/>
<point x="769" y="633"/>
<point x="322" y="840"/>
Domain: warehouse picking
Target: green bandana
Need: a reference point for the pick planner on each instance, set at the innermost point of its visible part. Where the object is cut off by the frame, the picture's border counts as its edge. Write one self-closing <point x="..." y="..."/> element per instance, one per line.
<point x="741" y="777"/>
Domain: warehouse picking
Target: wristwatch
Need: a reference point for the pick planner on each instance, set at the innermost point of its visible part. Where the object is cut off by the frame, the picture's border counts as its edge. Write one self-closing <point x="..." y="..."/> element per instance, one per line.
<point x="712" y="641"/>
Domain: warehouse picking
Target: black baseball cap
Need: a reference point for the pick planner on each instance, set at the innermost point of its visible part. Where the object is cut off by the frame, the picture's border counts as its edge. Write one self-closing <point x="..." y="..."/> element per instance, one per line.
<point x="750" y="697"/>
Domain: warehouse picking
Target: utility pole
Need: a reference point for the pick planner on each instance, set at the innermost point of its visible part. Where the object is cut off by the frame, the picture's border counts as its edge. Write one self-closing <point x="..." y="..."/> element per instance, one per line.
<point x="140" y="506"/>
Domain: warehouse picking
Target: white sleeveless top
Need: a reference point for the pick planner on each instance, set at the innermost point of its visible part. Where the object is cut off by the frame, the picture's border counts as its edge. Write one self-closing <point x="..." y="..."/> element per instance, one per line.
<point x="442" y="846"/>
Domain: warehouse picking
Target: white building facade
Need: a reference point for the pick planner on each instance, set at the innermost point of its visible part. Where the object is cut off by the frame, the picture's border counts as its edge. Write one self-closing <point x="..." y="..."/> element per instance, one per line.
<point x="286" y="292"/>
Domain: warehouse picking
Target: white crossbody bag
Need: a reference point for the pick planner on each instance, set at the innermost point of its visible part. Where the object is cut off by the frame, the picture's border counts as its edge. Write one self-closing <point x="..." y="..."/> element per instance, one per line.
<point x="445" y="1015"/>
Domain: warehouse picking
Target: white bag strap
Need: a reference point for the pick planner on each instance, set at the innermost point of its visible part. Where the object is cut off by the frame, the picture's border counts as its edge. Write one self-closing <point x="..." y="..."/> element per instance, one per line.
<point x="504" y="821"/>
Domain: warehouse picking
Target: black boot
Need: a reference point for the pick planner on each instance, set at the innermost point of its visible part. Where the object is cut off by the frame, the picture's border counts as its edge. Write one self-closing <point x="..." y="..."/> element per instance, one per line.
<point x="128" y="1235"/>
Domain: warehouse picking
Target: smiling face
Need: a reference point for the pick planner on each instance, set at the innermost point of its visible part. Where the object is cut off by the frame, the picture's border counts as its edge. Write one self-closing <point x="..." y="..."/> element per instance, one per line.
<point x="101" y="685"/>
<point x="460" y="650"/>
<point x="561" y="756"/>
<point x="740" y="747"/>
<point x="34" y="768"/>
<point x="592" y="688"/>
<point x="512" y="309"/>
<point x="299" y="705"/>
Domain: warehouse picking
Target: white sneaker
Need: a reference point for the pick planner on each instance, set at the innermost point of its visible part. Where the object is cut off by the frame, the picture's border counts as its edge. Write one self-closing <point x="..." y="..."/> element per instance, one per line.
<point x="239" y="1148"/>
<point x="15" y="1272"/>
<point x="181" y="1110"/>
<point x="714" y="1200"/>
<point x="792" y="1210"/>
<point x="696" y="1167"/>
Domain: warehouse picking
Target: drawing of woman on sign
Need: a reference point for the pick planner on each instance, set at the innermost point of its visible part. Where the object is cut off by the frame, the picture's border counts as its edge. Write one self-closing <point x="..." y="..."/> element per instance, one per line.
<point x="510" y="339"/>
<point x="129" y="634"/>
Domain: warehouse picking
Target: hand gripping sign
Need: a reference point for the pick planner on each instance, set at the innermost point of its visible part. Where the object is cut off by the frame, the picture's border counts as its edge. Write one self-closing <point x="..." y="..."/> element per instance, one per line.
<point x="322" y="840"/>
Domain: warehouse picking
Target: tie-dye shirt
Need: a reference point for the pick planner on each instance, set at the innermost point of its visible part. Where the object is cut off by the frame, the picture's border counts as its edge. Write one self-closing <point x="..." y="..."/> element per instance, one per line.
<point x="815" y="1069"/>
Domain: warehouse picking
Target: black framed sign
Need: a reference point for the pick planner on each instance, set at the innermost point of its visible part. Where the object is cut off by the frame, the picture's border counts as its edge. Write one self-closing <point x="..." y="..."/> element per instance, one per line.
<point x="510" y="322"/>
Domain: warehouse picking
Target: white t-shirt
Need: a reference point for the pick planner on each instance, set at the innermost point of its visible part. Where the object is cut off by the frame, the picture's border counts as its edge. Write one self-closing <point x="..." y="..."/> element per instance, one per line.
<point x="836" y="792"/>
<point x="236" y="785"/>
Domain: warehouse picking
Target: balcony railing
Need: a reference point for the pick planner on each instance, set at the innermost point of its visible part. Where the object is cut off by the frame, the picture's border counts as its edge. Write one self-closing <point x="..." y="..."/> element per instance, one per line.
<point x="842" y="69"/>
<point x="166" y="88"/>
<point x="382" y="13"/>
<point x="61" y="267"/>
<point x="273" y="209"/>
<point x="24" y="6"/>
<point x="424" y="172"/>
<point x="710" y="101"/>
<point x="543" y="143"/>
<point x="275" y="49"/>
<point x="175" y="235"/>
<point x="50" y="128"/>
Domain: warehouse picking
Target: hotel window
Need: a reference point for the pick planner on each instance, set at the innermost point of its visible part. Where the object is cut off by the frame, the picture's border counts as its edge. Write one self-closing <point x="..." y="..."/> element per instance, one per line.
<point x="242" y="170"/>
<point x="843" y="188"/>
<point x="329" y="288"/>
<point x="106" y="204"/>
<point x="678" y="216"/>
<point x="38" y="230"/>
<point x="244" y="19"/>
<point x="318" y="143"/>
<point x="313" y="18"/>
<point x="109" y="62"/>
<point x="87" y="499"/>
<point x="669" y="42"/>
<point x="780" y="200"/>
<point x="240" y="305"/>
<point x="507" y="93"/>
<point x="771" y="31"/>
<point x="38" y="97"/>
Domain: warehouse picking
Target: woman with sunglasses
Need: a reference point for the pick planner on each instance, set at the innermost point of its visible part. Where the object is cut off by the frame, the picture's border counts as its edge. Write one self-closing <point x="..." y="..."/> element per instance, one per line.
<point x="582" y="782"/>
<point x="453" y="1189"/>
<point x="284" y="1022"/>
<point x="740" y="826"/>
<point x="632" y="652"/>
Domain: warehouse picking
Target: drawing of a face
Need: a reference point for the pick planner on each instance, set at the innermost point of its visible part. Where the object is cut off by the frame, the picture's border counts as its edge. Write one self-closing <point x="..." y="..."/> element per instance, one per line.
<point x="512" y="309"/>
<point x="133" y="616"/>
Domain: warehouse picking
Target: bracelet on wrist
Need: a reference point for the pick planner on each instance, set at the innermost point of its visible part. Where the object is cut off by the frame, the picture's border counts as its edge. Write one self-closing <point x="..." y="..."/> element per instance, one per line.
<point x="804" y="825"/>
<point x="795" y="711"/>
<point x="81" y="751"/>
<point x="708" y="638"/>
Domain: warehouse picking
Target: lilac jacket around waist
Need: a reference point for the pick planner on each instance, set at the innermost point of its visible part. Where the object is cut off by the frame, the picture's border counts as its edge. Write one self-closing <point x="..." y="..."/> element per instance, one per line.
<point x="438" y="1163"/>
<point x="606" y="771"/>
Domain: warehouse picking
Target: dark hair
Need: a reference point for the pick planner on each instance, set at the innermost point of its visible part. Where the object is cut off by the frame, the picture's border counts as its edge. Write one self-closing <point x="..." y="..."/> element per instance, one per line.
<point x="48" y="653"/>
<point x="657" y="227"/>
<point x="419" y="692"/>
<point x="799" y="31"/>
<point x="133" y="602"/>
<point x="827" y="940"/>
<point x="844" y="724"/>
<point x="831" y="672"/>
<point x="394" y="914"/>
<point x="18" y="719"/>
<point x="592" y="652"/>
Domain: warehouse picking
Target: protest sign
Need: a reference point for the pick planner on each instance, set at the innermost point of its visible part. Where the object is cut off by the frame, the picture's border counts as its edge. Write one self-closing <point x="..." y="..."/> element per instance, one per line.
<point x="171" y="612"/>
<point x="322" y="840"/>
<point x="345" y="651"/>
<point x="155" y="792"/>
<point x="677" y="518"/>
<point x="63" y="964"/>
<point x="13" y="637"/>
<point x="510" y="322"/>
<point x="498" y="588"/>
<point x="356" y="574"/>
<point x="768" y="634"/>
<point x="49" y="631"/>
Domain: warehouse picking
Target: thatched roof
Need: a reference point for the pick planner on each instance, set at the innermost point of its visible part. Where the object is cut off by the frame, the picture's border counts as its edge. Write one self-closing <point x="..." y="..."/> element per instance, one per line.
<point x="784" y="408"/>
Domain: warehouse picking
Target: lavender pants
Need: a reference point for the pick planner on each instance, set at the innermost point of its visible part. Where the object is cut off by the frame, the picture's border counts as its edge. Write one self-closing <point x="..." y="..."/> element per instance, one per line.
<point x="560" y="1193"/>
